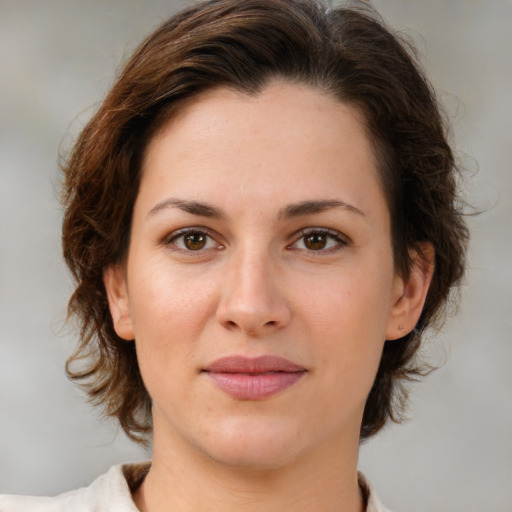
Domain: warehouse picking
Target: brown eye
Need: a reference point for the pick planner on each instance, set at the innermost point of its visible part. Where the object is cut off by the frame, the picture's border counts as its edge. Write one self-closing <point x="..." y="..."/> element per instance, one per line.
<point x="191" y="240"/>
<point x="195" y="241"/>
<point x="315" y="241"/>
<point x="319" y="240"/>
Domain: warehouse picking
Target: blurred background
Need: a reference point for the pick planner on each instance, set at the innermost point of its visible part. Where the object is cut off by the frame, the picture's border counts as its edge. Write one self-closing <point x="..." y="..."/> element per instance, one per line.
<point x="57" y="60"/>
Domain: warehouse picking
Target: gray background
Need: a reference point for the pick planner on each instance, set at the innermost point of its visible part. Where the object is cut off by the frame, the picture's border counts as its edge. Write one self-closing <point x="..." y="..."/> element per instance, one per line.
<point x="57" y="59"/>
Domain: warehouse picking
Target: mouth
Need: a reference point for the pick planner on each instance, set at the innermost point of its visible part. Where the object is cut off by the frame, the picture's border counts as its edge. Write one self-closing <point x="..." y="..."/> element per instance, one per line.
<point x="257" y="378"/>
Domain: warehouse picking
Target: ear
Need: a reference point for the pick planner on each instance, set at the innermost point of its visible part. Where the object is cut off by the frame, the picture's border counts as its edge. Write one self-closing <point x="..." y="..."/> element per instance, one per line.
<point x="410" y="294"/>
<point x="114" y="278"/>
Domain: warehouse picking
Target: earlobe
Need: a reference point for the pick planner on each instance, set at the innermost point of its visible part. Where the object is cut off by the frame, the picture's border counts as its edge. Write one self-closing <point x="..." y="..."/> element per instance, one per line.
<point x="411" y="293"/>
<point x="117" y="293"/>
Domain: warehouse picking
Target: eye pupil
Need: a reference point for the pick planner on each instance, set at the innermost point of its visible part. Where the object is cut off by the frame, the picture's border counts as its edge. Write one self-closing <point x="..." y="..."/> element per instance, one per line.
<point x="315" y="241"/>
<point x="194" y="241"/>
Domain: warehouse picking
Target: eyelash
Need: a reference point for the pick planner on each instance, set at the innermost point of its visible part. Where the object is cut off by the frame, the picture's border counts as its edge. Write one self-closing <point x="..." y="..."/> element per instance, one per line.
<point x="331" y="235"/>
<point x="176" y="235"/>
<point x="339" y="239"/>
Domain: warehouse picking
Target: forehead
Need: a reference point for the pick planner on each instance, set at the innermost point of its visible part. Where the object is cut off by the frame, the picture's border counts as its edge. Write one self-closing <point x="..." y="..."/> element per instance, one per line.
<point x="303" y="101"/>
<point x="286" y="138"/>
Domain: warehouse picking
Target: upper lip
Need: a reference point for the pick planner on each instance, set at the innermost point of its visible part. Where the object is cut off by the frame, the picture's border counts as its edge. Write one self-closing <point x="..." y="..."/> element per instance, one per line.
<point x="261" y="364"/>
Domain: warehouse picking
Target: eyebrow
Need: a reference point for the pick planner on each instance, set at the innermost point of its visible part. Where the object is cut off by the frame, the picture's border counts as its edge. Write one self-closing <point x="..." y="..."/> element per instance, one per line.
<point x="194" y="207"/>
<point x="316" y="206"/>
<point x="202" y="209"/>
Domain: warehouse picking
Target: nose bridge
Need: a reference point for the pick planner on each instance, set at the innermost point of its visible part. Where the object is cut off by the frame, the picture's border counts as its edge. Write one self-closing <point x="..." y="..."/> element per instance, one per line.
<point x="251" y="299"/>
<point x="254" y="278"/>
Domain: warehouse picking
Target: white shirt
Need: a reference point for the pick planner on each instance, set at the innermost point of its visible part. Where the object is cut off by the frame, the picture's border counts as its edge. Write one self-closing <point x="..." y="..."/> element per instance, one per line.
<point x="111" y="492"/>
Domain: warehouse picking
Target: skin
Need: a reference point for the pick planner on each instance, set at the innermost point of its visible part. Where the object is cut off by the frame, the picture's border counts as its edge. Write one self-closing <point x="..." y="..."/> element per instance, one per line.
<point x="259" y="286"/>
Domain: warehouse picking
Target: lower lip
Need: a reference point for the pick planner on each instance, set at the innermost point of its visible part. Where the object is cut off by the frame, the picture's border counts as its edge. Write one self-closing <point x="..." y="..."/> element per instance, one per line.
<point x="245" y="386"/>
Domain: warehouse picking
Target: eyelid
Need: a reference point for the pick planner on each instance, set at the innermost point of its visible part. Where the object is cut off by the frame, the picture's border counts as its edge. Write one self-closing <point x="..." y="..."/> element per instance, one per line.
<point x="168" y="239"/>
<point x="341" y="239"/>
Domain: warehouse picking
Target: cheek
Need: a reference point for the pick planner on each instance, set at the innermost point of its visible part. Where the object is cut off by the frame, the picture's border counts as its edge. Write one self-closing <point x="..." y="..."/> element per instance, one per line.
<point x="168" y="314"/>
<point x="348" y="325"/>
<point x="355" y="301"/>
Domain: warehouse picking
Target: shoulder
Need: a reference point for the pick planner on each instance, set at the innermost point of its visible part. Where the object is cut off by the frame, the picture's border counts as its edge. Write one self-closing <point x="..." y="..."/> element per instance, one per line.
<point x="113" y="491"/>
<point x="110" y="491"/>
<point x="373" y="503"/>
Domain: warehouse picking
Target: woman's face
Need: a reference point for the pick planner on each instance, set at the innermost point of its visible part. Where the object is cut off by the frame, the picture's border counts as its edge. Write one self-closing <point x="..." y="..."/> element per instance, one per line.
<point x="259" y="285"/>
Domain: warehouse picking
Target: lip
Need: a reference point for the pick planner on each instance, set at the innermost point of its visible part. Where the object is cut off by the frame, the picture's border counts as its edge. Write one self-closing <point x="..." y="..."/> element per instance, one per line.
<point x="257" y="378"/>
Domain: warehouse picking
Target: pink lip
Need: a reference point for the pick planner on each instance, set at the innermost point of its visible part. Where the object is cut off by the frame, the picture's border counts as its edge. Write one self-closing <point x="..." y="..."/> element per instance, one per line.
<point x="254" y="378"/>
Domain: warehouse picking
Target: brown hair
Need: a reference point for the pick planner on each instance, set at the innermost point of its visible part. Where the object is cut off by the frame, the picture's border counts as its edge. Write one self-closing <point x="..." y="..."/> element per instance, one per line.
<point x="242" y="45"/>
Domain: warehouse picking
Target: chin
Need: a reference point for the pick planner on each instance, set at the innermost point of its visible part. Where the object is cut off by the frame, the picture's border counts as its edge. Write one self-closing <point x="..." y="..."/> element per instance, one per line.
<point x="254" y="447"/>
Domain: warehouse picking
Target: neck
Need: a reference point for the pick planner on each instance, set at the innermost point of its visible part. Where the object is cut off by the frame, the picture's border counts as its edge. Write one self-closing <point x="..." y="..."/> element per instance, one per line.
<point x="183" y="480"/>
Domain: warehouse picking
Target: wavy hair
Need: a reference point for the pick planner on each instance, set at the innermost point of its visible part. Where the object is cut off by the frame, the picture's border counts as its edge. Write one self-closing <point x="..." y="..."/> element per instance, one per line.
<point x="347" y="52"/>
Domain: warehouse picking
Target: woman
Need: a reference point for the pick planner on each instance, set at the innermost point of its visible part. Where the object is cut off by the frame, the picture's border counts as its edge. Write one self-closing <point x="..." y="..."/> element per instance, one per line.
<point x="261" y="220"/>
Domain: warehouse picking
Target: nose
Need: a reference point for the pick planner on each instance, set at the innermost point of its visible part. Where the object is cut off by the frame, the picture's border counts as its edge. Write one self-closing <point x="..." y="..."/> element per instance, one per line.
<point x="251" y="299"/>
